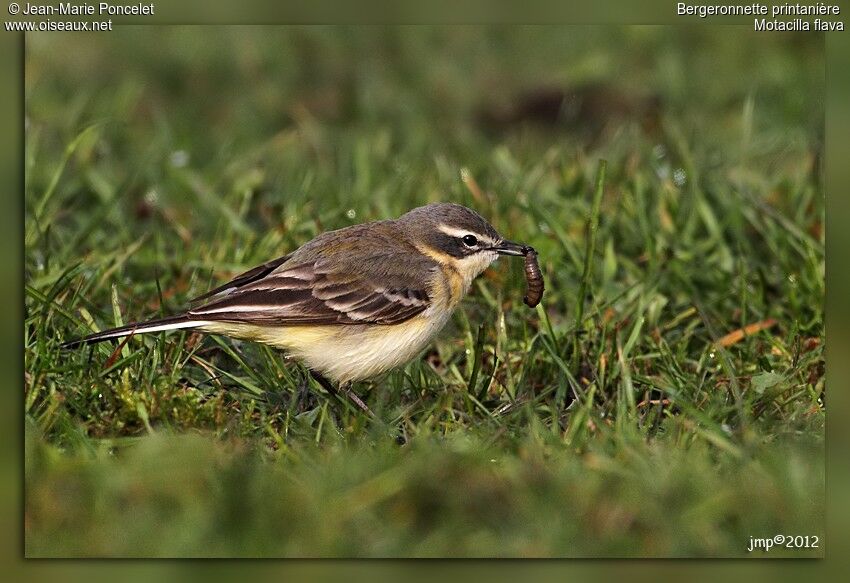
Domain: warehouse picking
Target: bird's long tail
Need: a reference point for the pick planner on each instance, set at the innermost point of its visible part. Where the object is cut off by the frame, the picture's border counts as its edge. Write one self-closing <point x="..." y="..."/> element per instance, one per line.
<point x="158" y="325"/>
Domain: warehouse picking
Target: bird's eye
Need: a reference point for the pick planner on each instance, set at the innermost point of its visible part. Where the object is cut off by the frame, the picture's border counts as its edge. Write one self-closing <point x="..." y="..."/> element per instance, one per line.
<point x="469" y="240"/>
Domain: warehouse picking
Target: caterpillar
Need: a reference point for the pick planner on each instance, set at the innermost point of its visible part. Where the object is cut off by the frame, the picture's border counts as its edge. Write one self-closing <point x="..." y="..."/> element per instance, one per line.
<point x="533" y="278"/>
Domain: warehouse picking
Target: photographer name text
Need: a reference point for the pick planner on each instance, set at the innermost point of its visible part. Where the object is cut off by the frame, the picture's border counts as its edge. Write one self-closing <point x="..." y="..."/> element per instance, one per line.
<point x="99" y="9"/>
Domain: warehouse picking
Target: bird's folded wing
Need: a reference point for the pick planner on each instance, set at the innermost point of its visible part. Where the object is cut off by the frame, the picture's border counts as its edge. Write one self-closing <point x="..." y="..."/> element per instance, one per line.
<point x="242" y="279"/>
<point x="314" y="293"/>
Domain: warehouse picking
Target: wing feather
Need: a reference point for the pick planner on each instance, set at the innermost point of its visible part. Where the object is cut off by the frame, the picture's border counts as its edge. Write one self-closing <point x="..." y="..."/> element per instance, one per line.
<point x="313" y="294"/>
<point x="348" y="276"/>
<point x="243" y="279"/>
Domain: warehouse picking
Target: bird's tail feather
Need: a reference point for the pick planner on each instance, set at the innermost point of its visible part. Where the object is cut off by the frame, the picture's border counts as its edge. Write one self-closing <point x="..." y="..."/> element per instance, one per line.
<point x="158" y="325"/>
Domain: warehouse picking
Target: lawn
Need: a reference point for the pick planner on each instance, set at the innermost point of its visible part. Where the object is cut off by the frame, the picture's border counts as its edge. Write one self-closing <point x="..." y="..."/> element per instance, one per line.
<point x="667" y="397"/>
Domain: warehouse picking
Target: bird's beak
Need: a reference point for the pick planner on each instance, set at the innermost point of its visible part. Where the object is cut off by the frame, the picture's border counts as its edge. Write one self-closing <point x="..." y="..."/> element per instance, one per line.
<point x="510" y="248"/>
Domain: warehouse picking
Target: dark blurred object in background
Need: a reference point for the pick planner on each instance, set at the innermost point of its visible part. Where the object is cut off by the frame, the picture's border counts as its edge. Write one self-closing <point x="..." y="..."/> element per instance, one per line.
<point x="592" y="110"/>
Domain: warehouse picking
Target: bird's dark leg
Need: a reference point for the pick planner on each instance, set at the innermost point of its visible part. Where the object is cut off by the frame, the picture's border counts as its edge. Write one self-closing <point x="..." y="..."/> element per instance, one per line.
<point x="325" y="382"/>
<point x="344" y="388"/>
<point x="305" y="397"/>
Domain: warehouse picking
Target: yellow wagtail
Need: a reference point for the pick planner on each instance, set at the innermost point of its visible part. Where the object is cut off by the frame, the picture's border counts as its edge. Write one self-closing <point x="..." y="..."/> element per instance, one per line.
<point x="352" y="303"/>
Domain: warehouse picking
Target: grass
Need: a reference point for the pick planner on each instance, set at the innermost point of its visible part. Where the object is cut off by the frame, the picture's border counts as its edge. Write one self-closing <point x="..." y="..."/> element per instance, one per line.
<point x="665" y="399"/>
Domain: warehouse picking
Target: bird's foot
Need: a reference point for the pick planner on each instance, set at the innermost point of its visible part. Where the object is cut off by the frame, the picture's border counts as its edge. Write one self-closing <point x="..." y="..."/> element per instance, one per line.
<point x="345" y="389"/>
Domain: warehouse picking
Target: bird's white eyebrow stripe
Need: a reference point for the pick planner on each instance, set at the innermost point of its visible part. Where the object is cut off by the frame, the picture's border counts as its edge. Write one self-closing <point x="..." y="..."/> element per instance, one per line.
<point x="453" y="232"/>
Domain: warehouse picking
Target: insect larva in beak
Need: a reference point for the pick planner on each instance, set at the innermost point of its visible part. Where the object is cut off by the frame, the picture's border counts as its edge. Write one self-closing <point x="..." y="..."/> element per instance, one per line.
<point x="533" y="278"/>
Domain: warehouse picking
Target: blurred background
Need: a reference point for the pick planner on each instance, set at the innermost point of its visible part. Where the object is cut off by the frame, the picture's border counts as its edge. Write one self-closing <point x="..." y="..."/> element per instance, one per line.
<point x="295" y="102"/>
<point x="688" y="418"/>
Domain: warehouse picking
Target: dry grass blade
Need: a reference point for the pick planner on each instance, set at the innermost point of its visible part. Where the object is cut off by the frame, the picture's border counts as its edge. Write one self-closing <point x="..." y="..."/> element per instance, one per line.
<point x="737" y="335"/>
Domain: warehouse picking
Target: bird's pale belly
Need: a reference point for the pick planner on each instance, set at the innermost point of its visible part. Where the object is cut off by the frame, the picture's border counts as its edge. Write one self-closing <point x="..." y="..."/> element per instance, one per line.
<point x="343" y="352"/>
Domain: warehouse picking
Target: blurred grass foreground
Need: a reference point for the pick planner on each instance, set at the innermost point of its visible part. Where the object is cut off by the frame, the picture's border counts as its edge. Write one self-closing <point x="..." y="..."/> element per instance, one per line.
<point x="674" y="409"/>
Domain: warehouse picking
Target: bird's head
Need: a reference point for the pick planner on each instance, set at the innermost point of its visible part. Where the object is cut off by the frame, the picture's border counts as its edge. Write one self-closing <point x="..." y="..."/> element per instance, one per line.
<point x="455" y="235"/>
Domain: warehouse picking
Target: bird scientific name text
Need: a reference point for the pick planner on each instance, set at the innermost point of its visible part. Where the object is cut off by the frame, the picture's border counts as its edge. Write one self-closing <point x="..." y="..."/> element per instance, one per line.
<point x="789" y="16"/>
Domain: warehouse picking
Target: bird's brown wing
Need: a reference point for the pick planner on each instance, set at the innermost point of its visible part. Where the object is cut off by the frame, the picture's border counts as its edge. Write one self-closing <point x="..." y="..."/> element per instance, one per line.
<point x="322" y="292"/>
<point x="242" y="279"/>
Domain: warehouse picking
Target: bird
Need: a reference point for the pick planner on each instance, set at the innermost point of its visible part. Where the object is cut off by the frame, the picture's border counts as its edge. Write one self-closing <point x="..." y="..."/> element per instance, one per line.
<point x="352" y="303"/>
